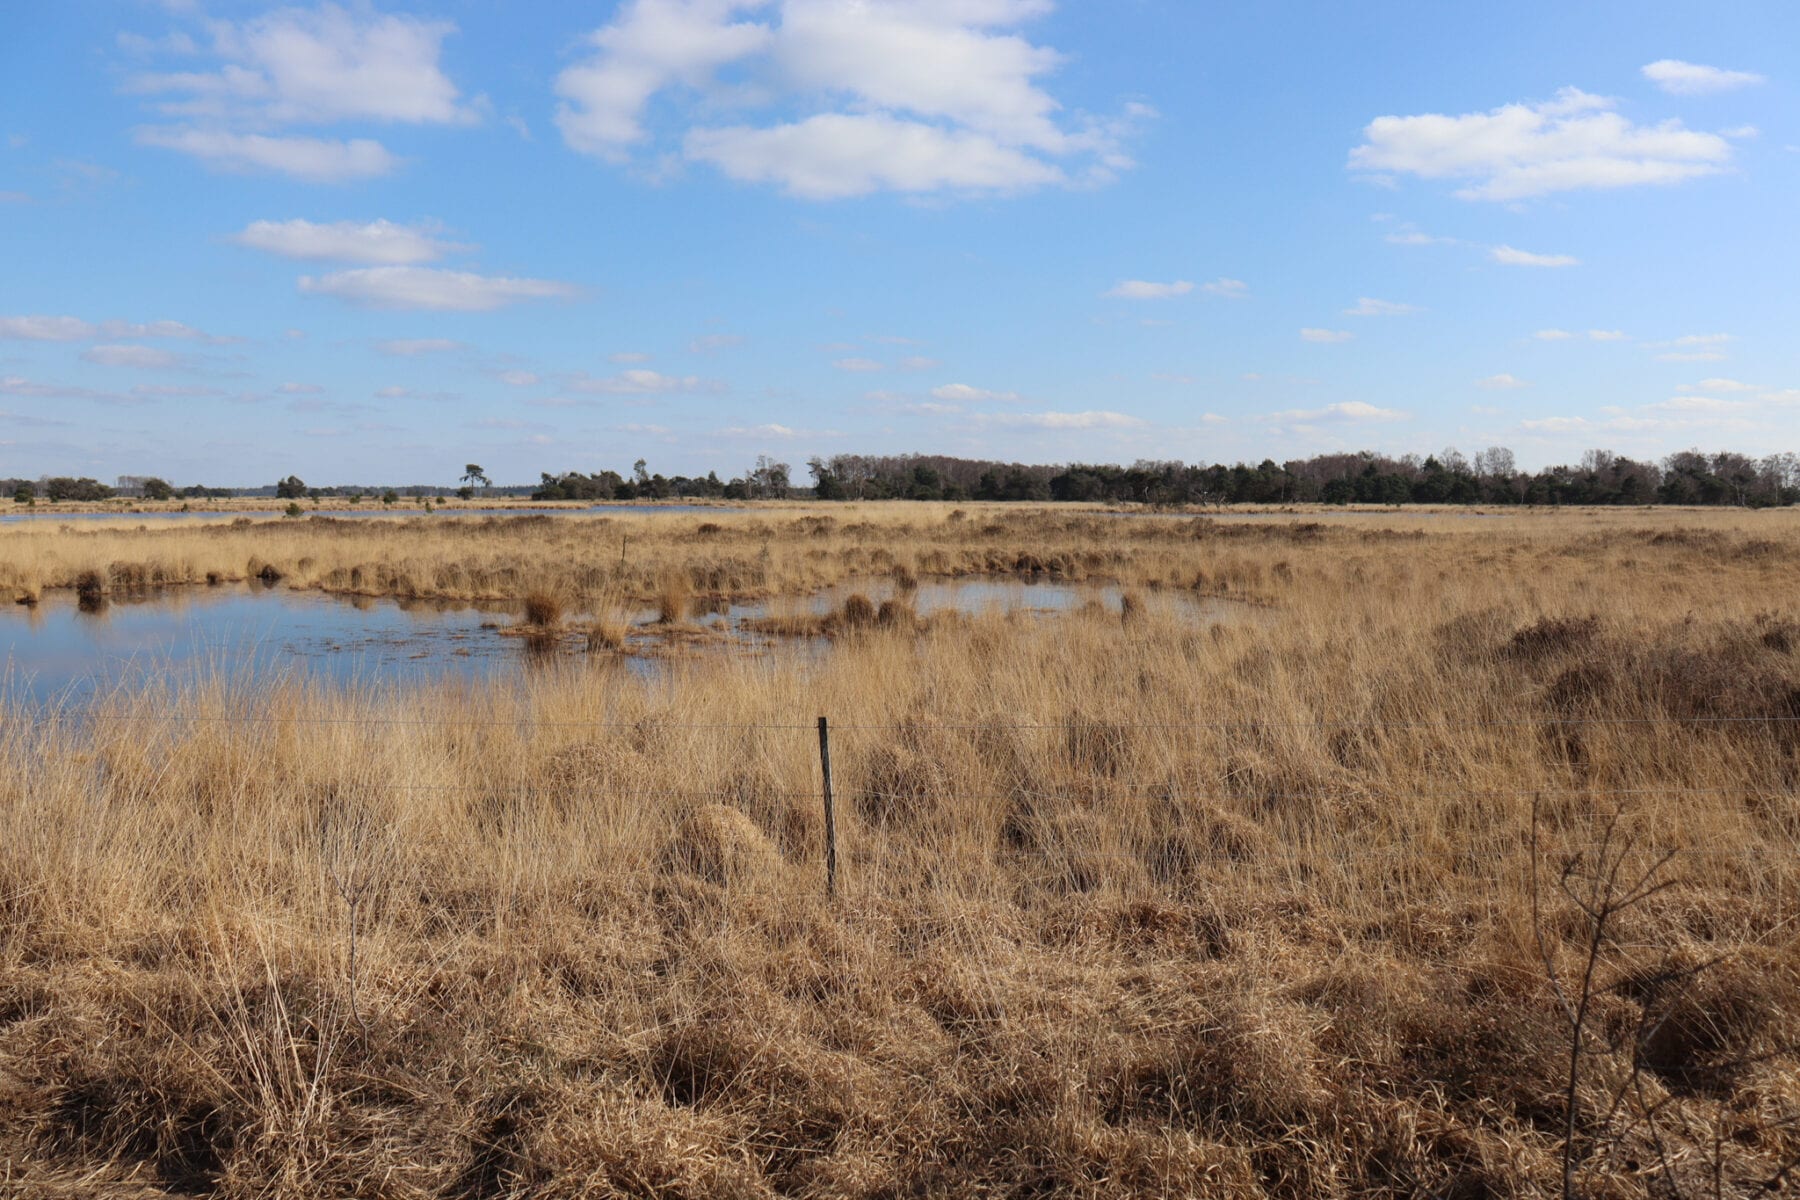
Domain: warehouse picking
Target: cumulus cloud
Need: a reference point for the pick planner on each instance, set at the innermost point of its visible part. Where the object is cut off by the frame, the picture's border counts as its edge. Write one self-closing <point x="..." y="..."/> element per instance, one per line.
<point x="1143" y="289"/>
<point x="380" y="243"/>
<point x="431" y="289"/>
<point x="962" y="393"/>
<point x="1231" y="289"/>
<point x="1501" y="382"/>
<point x="1508" y="256"/>
<point x="1692" y="79"/>
<point x="297" y="66"/>
<point x="917" y="96"/>
<point x="1366" y="307"/>
<point x="1552" y="335"/>
<point x="1325" y="336"/>
<point x="835" y="156"/>
<point x="1521" y="151"/>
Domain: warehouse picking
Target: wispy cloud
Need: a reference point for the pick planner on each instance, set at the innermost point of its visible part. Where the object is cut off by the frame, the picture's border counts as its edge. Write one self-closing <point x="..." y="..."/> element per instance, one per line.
<point x="1508" y="256"/>
<point x="1144" y="289"/>
<point x="1680" y="78"/>
<point x="380" y="243"/>
<point x="429" y="289"/>
<point x="962" y="393"/>
<point x="1367" y="307"/>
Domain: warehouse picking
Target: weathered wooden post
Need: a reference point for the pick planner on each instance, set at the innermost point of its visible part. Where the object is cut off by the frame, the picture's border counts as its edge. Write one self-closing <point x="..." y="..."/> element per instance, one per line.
<point x="830" y="811"/>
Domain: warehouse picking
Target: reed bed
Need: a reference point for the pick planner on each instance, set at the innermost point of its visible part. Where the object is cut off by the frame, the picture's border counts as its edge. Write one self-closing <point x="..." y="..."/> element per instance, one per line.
<point x="1129" y="903"/>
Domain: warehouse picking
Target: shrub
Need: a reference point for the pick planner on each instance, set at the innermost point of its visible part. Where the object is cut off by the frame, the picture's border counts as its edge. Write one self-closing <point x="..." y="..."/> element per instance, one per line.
<point x="543" y="610"/>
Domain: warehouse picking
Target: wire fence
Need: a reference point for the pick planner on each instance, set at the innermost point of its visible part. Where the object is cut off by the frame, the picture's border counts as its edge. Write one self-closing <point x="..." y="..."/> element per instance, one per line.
<point x="885" y="826"/>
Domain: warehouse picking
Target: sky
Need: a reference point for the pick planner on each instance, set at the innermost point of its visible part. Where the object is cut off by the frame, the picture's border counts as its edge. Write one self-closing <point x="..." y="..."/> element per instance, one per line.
<point x="373" y="242"/>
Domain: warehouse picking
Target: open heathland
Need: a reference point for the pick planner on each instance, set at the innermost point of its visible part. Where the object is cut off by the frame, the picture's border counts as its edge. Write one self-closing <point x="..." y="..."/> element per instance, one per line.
<point x="1462" y="862"/>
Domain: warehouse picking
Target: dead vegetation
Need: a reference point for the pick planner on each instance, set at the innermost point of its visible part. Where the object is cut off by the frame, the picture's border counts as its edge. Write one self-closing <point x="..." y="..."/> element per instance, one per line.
<point x="1128" y="904"/>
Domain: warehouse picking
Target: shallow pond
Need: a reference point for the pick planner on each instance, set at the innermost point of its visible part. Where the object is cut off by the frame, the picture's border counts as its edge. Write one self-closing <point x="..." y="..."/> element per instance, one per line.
<point x="65" y="653"/>
<point x="357" y="514"/>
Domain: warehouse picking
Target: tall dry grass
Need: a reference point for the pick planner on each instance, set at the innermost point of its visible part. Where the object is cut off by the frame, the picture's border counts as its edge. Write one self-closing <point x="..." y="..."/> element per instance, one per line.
<point x="1127" y="907"/>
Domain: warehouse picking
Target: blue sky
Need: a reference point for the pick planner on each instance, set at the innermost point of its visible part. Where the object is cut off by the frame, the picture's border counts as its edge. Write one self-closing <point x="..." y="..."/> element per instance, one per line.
<point x="373" y="242"/>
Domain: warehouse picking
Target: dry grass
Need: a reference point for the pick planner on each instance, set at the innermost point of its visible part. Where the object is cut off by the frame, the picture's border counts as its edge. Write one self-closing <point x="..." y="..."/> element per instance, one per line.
<point x="1127" y="907"/>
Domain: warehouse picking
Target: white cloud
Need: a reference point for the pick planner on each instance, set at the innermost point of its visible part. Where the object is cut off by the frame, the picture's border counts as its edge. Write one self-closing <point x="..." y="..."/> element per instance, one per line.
<point x="1703" y="339"/>
<point x="382" y="243"/>
<point x="650" y="45"/>
<point x="835" y="156"/>
<point x="1552" y="335"/>
<point x="409" y="347"/>
<point x="1092" y="419"/>
<point x="642" y="383"/>
<point x="315" y="160"/>
<point x="145" y="358"/>
<point x="712" y="343"/>
<point x="1507" y="256"/>
<point x="431" y="289"/>
<point x="300" y="389"/>
<point x="519" y="378"/>
<point x="45" y="329"/>
<point x="1142" y="289"/>
<point x="858" y="364"/>
<point x="1366" y="307"/>
<point x="770" y="432"/>
<point x="1556" y="424"/>
<point x="297" y="66"/>
<point x="1501" y="382"/>
<point x="1521" y="151"/>
<point x="74" y="329"/>
<point x="1608" y="335"/>
<point x="1698" y="404"/>
<point x="915" y="96"/>
<point x="1692" y="79"/>
<point x="1354" y="411"/>
<point x="1725" y="385"/>
<point x="1231" y="289"/>
<point x="918" y="362"/>
<point x="1413" y="237"/>
<point x="962" y="393"/>
<point x="1325" y="336"/>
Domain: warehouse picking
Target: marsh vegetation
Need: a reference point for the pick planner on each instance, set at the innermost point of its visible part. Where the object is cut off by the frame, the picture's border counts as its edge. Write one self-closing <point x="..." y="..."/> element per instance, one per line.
<point x="1132" y="900"/>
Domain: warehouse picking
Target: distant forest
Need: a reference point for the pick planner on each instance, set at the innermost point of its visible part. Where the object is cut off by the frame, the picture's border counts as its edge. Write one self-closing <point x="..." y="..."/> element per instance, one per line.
<point x="1489" y="477"/>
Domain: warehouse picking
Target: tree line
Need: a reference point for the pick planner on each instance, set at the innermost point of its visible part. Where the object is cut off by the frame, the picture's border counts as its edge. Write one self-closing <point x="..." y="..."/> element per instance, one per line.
<point x="1489" y="477"/>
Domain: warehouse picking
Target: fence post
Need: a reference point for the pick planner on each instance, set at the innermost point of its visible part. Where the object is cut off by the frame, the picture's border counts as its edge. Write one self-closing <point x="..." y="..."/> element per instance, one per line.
<point x="830" y="812"/>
